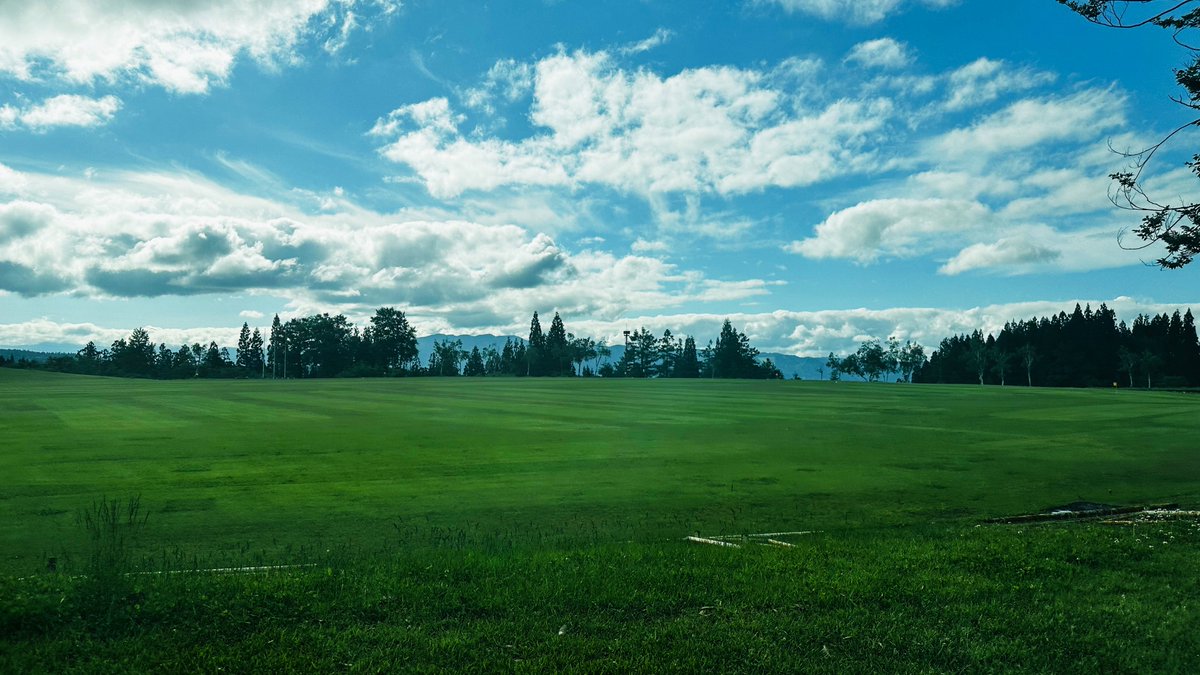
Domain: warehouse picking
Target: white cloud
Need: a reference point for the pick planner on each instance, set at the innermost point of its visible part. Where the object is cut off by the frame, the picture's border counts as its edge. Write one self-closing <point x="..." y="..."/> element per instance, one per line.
<point x="507" y="79"/>
<point x="814" y="333"/>
<point x="66" y="110"/>
<point x="660" y="37"/>
<point x="892" y="228"/>
<point x="645" y="246"/>
<point x="1008" y="253"/>
<point x="144" y="234"/>
<point x="881" y="53"/>
<point x="1023" y="249"/>
<point x="250" y="314"/>
<point x="691" y="221"/>
<point x="11" y="181"/>
<point x="1033" y="122"/>
<point x="1059" y="192"/>
<point x="184" y="47"/>
<point x="713" y="129"/>
<point x="984" y="80"/>
<point x="851" y="11"/>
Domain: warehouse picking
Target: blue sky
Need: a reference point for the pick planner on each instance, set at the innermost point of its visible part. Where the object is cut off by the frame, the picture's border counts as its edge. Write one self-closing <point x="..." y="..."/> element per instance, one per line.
<point x="820" y="171"/>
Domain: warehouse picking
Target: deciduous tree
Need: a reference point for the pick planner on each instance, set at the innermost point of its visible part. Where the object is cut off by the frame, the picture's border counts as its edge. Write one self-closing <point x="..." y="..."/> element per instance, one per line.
<point x="1166" y="218"/>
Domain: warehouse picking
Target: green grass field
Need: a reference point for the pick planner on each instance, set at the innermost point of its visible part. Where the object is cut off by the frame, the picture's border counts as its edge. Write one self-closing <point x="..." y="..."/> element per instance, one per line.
<point x="538" y="524"/>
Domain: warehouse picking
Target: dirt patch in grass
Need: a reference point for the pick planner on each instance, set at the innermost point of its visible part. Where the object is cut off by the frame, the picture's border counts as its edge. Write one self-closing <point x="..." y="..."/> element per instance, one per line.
<point x="1079" y="510"/>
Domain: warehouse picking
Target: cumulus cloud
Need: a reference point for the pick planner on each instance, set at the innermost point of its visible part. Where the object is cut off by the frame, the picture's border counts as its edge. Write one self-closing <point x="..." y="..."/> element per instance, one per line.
<point x="881" y="53"/>
<point x="66" y="110"/>
<point x="816" y="333"/>
<point x="1008" y="253"/>
<point x="813" y="334"/>
<point x="181" y="46"/>
<point x="892" y="228"/>
<point x="146" y="235"/>
<point x="851" y="11"/>
<point x="712" y="129"/>
<point x="1015" y="191"/>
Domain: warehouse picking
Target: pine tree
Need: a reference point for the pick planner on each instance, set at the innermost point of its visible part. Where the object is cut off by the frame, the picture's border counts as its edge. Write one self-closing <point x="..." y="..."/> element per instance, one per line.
<point x="733" y="356"/>
<point x="475" y="366"/>
<point x="243" y="348"/>
<point x="256" y="354"/>
<point x="276" y="346"/>
<point x="557" y="348"/>
<point x="668" y="354"/>
<point x="536" y="349"/>
<point x="688" y="364"/>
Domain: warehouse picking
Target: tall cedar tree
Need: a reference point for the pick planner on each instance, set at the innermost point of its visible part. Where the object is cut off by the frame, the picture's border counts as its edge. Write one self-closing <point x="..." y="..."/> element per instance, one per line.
<point x="243" y="348"/>
<point x="558" y="356"/>
<point x="535" y="352"/>
<point x="688" y="364"/>
<point x="256" y="364"/>
<point x="275" y="348"/>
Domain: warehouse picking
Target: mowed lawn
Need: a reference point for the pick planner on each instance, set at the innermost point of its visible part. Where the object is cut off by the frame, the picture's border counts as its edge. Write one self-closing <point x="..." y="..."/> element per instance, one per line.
<point x="268" y="465"/>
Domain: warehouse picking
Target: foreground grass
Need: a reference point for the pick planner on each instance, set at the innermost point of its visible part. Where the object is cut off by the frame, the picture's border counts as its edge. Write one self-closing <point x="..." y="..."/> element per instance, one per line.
<point x="536" y="525"/>
<point x="1074" y="598"/>
<point x="273" y="467"/>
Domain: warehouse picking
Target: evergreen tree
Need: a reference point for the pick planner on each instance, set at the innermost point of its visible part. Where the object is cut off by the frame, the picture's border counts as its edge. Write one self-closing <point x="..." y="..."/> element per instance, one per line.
<point x="558" y="351"/>
<point x="475" y="366"/>
<point x="89" y="359"/>
<point x="276" y="346"/>
<point x="243" y="349"/>
<point x="535" y="352"/>
<point x="508" y="358"/>
<point x="184" y="363"/>
<point x="732" y="355"/>
<point x="520" y="364"/>
<point x="164" y="362"/>
<point x="256" y="363"/>
<point x="688" y="364"/>
<point x="668" y="354"/>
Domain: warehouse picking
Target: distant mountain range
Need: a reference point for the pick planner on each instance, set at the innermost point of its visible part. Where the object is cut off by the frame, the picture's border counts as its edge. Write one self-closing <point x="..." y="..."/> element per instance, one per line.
<point x="29" y="355"/>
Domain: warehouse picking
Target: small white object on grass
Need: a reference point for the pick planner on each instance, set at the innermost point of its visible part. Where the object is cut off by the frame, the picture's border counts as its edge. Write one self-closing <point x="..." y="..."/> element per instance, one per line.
<point x="713" y="542"/>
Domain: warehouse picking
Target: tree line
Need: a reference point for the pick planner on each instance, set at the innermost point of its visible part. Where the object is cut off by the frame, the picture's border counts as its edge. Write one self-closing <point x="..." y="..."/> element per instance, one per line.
<point x="321" y="345"/>
<point x="1086" y="348"/>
